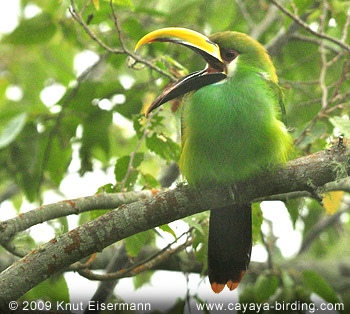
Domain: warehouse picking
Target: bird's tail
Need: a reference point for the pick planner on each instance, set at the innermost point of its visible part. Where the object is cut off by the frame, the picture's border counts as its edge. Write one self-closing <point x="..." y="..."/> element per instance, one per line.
<point x="229" y="246"/>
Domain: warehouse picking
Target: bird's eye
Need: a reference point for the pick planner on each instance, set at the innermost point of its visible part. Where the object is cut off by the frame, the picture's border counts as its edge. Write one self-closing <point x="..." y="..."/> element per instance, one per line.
<point x="228" y="54"/>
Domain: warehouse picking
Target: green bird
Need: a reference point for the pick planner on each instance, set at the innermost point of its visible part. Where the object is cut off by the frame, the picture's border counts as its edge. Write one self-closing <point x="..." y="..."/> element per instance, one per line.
<point x="231" y="131"/>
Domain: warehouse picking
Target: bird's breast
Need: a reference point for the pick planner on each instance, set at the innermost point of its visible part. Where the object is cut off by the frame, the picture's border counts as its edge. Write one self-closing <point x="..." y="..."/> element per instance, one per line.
<point x="231" y="131"/>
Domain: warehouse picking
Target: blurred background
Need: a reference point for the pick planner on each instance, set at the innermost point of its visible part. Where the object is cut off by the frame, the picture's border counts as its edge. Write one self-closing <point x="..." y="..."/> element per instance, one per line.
<point x="71" y="115"/>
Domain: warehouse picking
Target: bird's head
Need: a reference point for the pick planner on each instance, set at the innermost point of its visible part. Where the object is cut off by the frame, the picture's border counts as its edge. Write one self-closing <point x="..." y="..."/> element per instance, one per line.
<point x="224" y="52"/>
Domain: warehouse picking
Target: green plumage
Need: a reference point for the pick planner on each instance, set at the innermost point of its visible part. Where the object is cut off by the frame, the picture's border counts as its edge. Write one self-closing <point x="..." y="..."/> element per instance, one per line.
<point x="232" y="129"/>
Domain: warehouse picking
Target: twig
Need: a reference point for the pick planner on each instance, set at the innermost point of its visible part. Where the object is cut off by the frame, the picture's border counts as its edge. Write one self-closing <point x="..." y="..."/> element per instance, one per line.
<point x="116" y="24"/>
<point x="259" y="29"/>
<point x="283" y="37"/>
<point x="132" y="155"/>
<point x="92" y="35"/>
<point x="284" y="197"/>
<point x="309" y="102"/>
<point x="325" y="111"/>
<point x="87" y="264"/>
<point x="323" y="72"/>
<point x="245" y="14"/>
<point x="346" y="28"/>
<point x="75" y="14"/>
<point x="268" y="250"/>
<point x="321" y="226"/>
<point x="336" y="58"/>
<point x="337" y="107"/>
<point x="340" y="81"/>
<point x="14" y="250"/>
<point x="297" y="83"/>
<point x="340" y="185"/>
<point x="298" y="20"/>
<point x="144" y="265"/>
<point x="133" y="55"/>
<point x="325" y="103"/>
<point x="341" y="97"/>
<point x="144" y="135"/>
<point x="314" y="41"/>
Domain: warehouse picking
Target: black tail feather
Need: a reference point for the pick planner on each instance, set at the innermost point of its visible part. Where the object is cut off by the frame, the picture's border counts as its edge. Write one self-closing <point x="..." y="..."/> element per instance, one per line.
<point x="229" y="245"/>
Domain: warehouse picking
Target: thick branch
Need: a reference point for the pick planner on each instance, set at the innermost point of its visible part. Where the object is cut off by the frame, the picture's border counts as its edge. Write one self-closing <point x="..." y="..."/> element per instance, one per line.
<point x="26" y="220"/>
<point x="306" y="173"/>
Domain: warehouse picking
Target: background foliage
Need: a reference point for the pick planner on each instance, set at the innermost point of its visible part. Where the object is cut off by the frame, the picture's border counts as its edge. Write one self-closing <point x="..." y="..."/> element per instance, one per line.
<point x="55" y="121"/>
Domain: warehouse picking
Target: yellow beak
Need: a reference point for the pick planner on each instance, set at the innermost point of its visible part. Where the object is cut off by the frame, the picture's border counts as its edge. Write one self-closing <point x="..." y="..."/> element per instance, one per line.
<point x="184" y="36"/>
<point x="213" y="73"/>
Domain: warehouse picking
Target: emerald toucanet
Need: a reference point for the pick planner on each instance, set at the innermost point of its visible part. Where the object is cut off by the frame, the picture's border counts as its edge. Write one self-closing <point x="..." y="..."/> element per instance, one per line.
<point x="231" y="131"/>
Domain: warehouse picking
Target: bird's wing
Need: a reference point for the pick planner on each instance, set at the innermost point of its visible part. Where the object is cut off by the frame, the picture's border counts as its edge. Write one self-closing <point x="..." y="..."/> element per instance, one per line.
<point x="280" y="98"/>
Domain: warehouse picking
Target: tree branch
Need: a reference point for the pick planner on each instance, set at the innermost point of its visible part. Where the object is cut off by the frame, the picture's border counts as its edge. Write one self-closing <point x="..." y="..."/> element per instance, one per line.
<point x="298" y="20"/>
<point x="133" y="270"/>
<point x="270" y="17"/>
<point x="283" y="37"/>
<point x="320" y="227"/>
<point x="314" y="41"/>
<point x="75" y="14"/>
<point x="10" y="227"/>
<point x="306" y="173"/>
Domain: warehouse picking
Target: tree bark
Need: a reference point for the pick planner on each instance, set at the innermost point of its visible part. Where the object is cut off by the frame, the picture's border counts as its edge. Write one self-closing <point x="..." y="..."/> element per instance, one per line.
<point x="306" y="173"/>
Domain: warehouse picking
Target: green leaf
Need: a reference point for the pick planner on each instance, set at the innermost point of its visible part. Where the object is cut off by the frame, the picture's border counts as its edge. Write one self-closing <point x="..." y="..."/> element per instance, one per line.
<point x="3" y="86"/>
<point x="17" y="201"/>
<point x="121" y="169"/>
<point x="136" y="242"/>
<point x="150" y="181"/>
<point x="265" y="286"/>
<point x="93" y="214"/>
<point x="287" y="280"/>
<point x="142" y="279"/>
<point x="317" y="284"/>
<point x="10" y="131"/>
<point x="96" y="4"/>
<point x="293" y="206"/>
<point x="200" y="246"/>
<point x="257" y="219"/>
<point x="194" y="221"/>
<point x="133" y="27"/>
<point x="26" y="155"/>
<point x="123" y="3"/>
<point x="246" y="296"/>
<point x="38" y="29"/>
<point x="302" y="5"/>
<point x="95" y="140"/>
<point x="163" y="146"/>
<point x="137" y="124"/>
<point x="342" y="124"/>
<point x="54" y="289"/>
<point x="107" y="188"/>
<point x="166" y="228"/>
<point x="60" y="157"/>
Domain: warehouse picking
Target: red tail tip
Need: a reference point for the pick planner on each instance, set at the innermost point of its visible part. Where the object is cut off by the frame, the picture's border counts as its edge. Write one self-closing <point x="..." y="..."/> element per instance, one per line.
<point x="217" y="287"/>
<point x="232" y="285"/>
